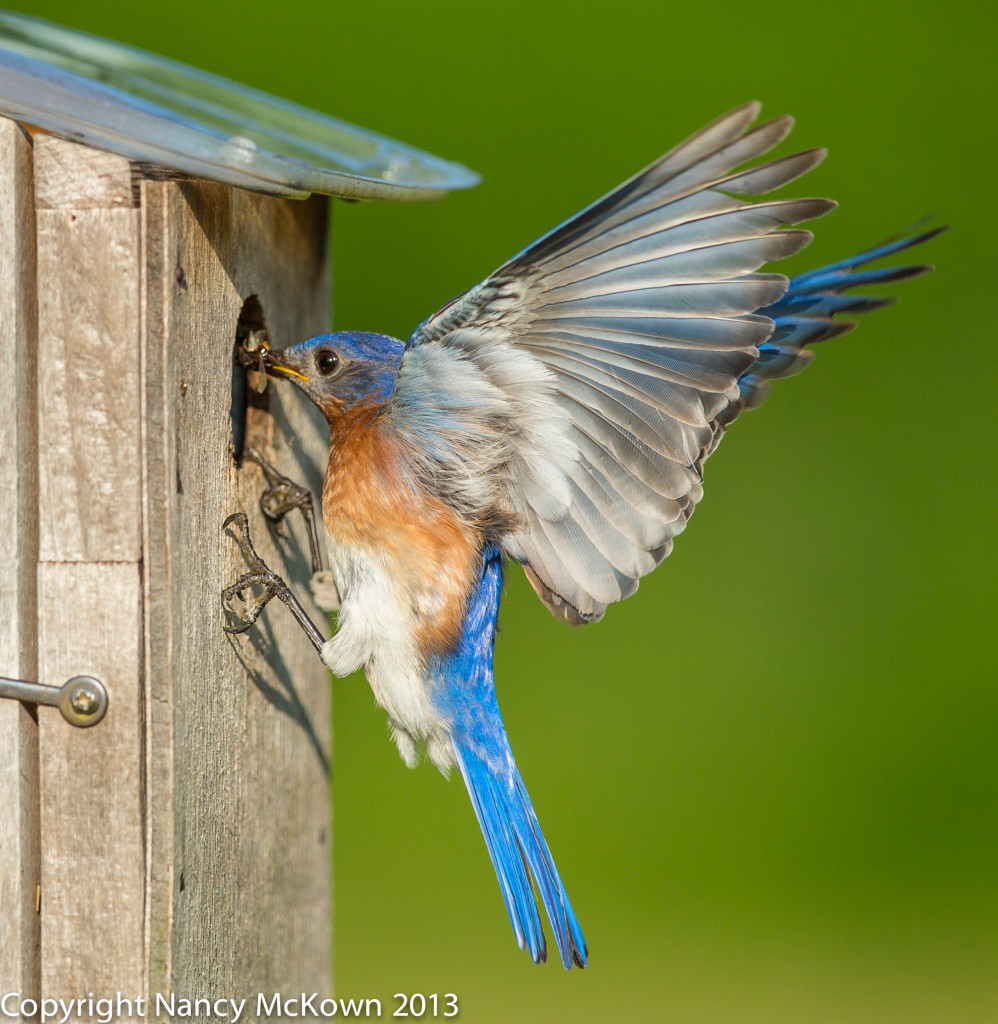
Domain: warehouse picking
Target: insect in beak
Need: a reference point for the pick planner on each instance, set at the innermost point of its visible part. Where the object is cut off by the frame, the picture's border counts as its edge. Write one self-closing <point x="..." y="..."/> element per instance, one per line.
<point x="255" y="353"/>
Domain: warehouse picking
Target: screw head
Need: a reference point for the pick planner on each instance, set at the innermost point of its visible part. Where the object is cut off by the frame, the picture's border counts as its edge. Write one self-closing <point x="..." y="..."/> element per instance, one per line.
<point x="84" y="701"/>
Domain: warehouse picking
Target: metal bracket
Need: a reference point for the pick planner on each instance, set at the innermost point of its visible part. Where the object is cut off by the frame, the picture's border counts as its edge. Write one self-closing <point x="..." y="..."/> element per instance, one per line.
<point x="82" y="700"/>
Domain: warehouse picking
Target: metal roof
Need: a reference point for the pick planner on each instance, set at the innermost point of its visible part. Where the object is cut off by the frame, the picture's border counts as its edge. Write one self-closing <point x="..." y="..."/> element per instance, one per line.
<point x="159" y="111"/>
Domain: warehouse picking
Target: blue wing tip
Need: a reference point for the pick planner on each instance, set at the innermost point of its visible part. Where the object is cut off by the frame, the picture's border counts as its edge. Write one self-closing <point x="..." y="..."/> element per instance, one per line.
<point x="893" y="245"/>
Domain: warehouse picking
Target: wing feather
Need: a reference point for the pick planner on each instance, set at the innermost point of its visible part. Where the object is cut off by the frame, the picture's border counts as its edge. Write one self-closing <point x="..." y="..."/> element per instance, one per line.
<point x="710" y="371"/>
<point x="638" y="249"/>
<point x="614" y="350"/>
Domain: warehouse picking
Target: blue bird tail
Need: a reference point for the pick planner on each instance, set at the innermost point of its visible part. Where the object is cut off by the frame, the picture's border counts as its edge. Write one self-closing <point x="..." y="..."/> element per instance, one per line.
<point x="518" y="850"/>
<point x="806" y="315"/>
<point x="465" y="694"/>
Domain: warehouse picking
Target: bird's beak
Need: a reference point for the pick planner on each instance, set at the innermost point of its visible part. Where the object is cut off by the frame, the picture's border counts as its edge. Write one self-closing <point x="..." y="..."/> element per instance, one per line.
<point x="276" y="366"/>
<point x="273" y="362"/>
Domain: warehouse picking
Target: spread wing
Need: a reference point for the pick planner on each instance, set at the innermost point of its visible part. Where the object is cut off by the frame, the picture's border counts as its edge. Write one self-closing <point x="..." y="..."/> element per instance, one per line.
<point x="573" y="395"/>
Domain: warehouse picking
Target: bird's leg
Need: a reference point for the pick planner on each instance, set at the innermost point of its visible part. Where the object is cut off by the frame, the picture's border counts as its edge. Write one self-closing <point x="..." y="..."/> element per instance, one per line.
<point x="260" y="575"/>
<point x="281" y="496"/>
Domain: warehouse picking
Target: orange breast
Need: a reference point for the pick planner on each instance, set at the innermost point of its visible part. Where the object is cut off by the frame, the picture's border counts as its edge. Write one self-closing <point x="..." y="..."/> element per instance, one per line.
<point x="369" y="502"/>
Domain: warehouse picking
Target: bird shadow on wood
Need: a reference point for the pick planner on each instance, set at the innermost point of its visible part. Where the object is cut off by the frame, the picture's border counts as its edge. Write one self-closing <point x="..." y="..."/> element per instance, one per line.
<point x="284" y="697"/>
<point x="286" y="405"/>
<point x="289" y="541"/>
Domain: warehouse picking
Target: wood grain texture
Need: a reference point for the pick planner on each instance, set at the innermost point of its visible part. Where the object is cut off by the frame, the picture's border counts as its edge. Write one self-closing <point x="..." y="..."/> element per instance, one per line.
<point x="89" y="573"/>
<point x="88" y="312"/>
<point x="70" y="176"/>
<point x="91" y="784"/>
<point x="159" y="535"/>
<point x="241" y="848"/>
<point x="19" y="806"/>
<point x="88" y="358"/>
<point x="186" y="839"/>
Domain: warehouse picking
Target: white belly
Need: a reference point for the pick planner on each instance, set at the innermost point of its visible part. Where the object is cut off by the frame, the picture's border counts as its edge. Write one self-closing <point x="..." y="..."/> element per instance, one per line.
<point x="376" y="632"/>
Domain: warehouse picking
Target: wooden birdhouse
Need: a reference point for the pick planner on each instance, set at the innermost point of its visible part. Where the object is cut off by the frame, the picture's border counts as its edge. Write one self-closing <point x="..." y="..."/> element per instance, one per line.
<point x="150" y="215"/>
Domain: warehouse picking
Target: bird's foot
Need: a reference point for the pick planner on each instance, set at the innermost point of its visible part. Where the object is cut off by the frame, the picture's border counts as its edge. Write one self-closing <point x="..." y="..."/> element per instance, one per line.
<point x="260" y="575"/>
<point x="281" y="497"/>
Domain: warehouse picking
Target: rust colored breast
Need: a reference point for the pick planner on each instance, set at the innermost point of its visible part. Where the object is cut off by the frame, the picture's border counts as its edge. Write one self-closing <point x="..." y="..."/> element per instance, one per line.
<point x="371" y="502"/>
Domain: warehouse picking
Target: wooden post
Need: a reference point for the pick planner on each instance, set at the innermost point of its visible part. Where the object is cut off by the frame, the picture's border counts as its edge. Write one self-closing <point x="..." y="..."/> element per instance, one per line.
<point x="185" y="842"/>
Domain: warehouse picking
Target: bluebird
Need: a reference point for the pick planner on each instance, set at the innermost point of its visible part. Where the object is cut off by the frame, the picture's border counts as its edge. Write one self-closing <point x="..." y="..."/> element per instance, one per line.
<point x="556" y="416"/>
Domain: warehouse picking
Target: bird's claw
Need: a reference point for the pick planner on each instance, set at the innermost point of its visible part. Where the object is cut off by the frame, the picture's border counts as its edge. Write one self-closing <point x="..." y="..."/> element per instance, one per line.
<point x="281" y="496"/>
<point x="239" y="622"/>
<point x="260" y="575"/>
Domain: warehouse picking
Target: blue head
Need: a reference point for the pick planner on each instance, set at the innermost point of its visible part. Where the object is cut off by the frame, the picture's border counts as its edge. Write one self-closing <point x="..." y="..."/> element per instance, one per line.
<point x="341" y="372"/>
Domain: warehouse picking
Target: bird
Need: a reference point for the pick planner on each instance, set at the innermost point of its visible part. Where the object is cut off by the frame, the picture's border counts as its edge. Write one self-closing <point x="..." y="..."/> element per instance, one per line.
<point x="557" y="417"/>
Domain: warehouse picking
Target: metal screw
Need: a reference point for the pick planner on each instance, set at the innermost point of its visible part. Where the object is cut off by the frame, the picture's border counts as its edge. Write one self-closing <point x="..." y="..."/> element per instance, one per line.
<point x="84" y="701"/>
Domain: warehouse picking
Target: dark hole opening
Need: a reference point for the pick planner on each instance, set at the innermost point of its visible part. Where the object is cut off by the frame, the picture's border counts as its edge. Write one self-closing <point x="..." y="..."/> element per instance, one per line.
<point x="244" y="396"/>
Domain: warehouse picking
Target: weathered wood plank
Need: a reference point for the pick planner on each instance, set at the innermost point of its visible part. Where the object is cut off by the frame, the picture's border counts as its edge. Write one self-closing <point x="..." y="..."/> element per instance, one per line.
<point x="69" y="176"/>
<point x="91" y="784"/>
<point x="89" y="578"/>
<point x="88" y="354"/>
<point x="186" y="839"/>
<point x="249" y="803"/>
<point x="159" y="535"/>
<point x="19" y="825"/>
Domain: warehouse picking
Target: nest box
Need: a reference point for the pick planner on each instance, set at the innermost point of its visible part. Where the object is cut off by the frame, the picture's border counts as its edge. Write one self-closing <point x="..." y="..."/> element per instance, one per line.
<point x="150" y="215"/>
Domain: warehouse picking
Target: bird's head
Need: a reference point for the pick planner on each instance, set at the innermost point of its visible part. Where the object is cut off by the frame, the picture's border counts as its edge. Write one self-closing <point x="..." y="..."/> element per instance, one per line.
<point x="339" y="372"/>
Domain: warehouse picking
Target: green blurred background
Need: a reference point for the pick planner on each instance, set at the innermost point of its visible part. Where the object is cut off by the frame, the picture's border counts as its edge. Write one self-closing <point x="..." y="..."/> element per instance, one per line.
<point x="769" y="779"/>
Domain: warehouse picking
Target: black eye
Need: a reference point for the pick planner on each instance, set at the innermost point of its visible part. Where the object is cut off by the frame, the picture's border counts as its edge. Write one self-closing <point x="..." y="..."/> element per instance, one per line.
<point x="327" y="361"/>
